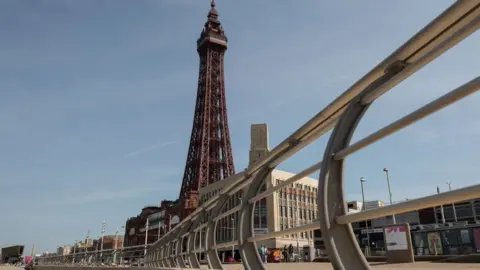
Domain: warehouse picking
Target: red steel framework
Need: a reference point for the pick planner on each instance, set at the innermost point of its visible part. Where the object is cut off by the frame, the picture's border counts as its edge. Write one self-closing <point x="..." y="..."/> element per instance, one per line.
<point x="209" y="157"/>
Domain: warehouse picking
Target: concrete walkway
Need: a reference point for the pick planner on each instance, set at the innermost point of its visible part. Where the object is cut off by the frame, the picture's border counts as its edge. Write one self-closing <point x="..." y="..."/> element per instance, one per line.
<point x="328" y="266"/>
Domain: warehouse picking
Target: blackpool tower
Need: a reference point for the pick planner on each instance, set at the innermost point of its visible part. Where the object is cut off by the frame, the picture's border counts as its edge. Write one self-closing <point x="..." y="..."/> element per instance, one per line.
<point x="209" y="157"/>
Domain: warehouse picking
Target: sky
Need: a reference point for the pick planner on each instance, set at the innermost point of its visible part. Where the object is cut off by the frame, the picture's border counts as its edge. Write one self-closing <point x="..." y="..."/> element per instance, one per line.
<point x="97" y="99"/>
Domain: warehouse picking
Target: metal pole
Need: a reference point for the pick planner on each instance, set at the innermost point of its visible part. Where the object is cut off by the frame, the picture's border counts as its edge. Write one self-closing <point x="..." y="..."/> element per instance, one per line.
<point x="115" y="247"/>
<point x="442" y="212"/>
<point x="86" y="246"/>
<point x="453" y="204"/>
<point x="146" y="237"/>
<point x="233" y="238"/>
<point x="121" y="249"/>
<point x="367" y="248"/>
<point x="169" y="222"/>
<point x="102" y="237"/>
<point x="390" y="193"/>
<point x="96" y="247"/>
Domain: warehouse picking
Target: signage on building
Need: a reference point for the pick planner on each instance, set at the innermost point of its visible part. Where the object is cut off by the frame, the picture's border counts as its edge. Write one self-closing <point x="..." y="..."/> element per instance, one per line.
<point x="260" y="231"/>
<point x="373" y="230"/>
<point x="396" y="237"/>
<point x="450" y="225"/>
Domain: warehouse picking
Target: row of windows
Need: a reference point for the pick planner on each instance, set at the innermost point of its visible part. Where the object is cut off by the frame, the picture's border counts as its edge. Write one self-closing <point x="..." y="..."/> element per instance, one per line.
<point x="299" y="186"/>
<point x="295" y="197"/>
<point x="292" y="212"/>
<point x="307" y="199"/>
<point x="302" y="235"/>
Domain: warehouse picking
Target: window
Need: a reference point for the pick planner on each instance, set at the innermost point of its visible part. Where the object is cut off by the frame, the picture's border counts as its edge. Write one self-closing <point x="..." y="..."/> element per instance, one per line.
<point x="291" y="212"/>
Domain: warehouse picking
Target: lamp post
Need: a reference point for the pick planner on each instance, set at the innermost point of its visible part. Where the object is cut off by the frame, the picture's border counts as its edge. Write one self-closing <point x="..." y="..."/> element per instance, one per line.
<point x="116" y="245"/>
<point x="390" y="193"/>
<point x="86" y="245"/>
<point x="146" y="237"/>
<point x="367" y="248"/>
<point x="104" y="224"/>
<point x="453" y="204"/>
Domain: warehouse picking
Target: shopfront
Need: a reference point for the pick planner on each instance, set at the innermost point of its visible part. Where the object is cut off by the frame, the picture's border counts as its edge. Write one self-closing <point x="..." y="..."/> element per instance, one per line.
<point x="446" y="239"/>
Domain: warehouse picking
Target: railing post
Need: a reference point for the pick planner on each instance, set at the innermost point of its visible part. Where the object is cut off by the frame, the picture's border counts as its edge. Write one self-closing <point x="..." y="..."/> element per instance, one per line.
<point x="248" y="250"/>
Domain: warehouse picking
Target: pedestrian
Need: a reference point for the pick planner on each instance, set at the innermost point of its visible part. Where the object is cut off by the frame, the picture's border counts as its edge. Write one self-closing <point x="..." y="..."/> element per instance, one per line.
<point x="285" y="253"/>
<point x="290" y="252"/>
<point x="265" y="254"/>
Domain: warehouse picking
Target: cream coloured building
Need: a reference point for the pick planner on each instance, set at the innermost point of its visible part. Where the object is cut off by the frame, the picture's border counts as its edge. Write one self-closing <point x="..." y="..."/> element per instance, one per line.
<point x="292" y="206"/>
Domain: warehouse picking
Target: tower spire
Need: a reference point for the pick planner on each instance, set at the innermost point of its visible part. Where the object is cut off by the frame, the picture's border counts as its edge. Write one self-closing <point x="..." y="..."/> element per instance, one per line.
<point x="213" y="14"/>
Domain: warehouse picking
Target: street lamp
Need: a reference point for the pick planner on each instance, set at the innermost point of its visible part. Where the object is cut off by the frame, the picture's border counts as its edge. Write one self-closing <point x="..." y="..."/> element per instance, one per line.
<point x="146" y="236"/>
<point x="453" y="204"/>
<point x="116" y="245"/>
<point x="389" y="193"/>
<point x="104" y="224"/>
<point x="367" y="248"/>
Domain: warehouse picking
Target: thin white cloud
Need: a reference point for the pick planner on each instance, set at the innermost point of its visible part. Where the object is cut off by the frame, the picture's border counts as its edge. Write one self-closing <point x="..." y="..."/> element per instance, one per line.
<point x="148" y="149"/>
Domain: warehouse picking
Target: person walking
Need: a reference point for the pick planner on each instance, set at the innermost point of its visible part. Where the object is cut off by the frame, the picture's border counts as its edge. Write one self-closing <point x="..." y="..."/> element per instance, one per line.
<point x="290" y="252"/>
<point x="285" y="253"/>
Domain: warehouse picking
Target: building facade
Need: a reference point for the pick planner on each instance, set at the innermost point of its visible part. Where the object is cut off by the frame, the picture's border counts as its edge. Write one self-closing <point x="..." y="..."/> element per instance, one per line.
<point x="292" y="206"/>
<point x="64" y="250"/>
<point x="439" y="230"/>
<point x="160" y="219"/>
<point x="134" y="236"/>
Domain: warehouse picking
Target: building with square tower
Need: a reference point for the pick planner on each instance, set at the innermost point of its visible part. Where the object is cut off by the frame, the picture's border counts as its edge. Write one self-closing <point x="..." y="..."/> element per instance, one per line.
<point x="291" y="206"/>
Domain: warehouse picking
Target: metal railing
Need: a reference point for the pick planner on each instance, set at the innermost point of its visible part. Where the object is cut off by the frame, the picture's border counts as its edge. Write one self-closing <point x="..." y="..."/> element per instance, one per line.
<point x="127" y="256"/>
<point x="178" y="247"/>
<point x="196" y="234"/>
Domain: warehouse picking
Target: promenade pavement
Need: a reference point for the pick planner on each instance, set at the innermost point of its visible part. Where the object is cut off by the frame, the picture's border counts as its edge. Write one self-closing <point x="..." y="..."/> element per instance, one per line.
<point x="327" y="266"/>
<point x="378" y="266"/>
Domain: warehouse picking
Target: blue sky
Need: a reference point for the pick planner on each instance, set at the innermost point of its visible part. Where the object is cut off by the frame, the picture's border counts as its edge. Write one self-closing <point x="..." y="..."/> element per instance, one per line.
<point x="96" y="101"/>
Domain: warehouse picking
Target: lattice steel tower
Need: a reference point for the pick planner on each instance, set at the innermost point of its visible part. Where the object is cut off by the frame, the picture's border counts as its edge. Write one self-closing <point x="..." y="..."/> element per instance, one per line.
<point x="209" y="157"/>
